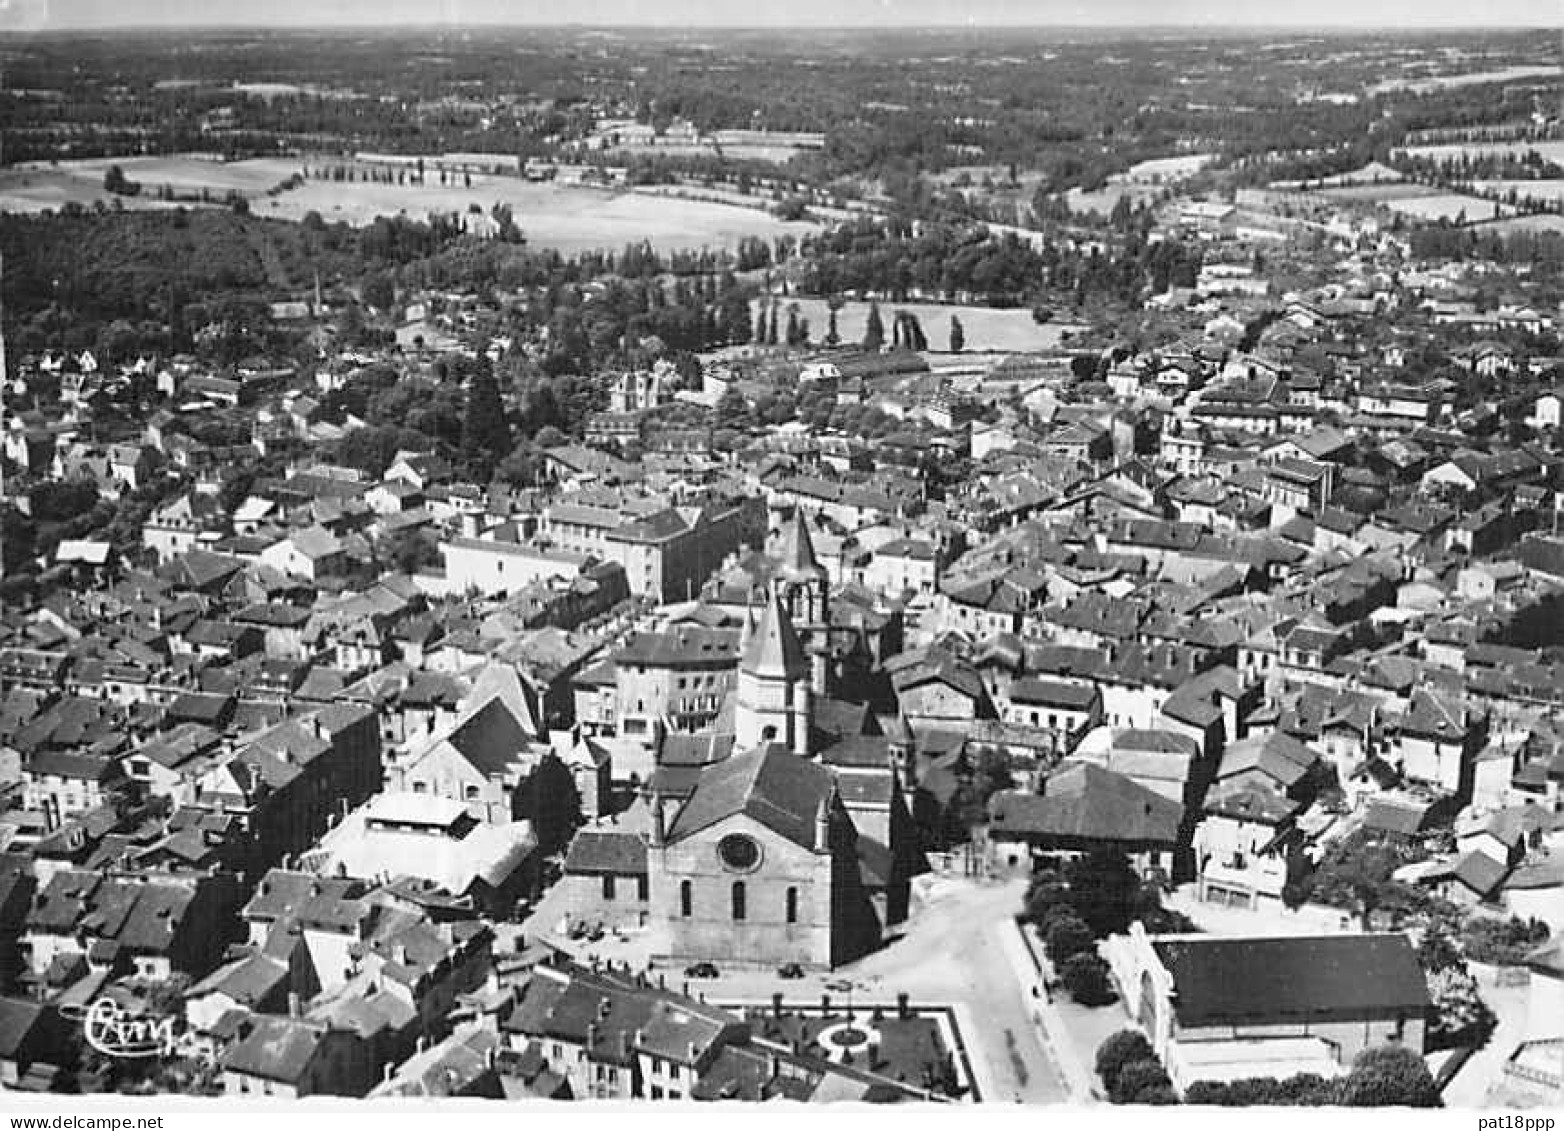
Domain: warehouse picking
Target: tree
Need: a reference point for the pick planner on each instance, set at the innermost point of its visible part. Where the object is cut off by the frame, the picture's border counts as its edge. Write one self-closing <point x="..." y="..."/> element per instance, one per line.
<point x="732" y="410"/>
<point x="958" y="336"/>
<point x="1085" y="977"/>
<point x="115" y="181"/>
<point x="412" y="550"/>
<point x="874" y="329"/>
<point x="1437" y="951"/>
<point x="1461" y="1018"/>
<point x="1124" y="1047"/>
<point x="1104" y="890"/>
<point x="485" y="431"/>
<point x="550" y="437"/>
<point x="1389" y="1076"/>
<point x="378" y="291"/>
<point x="1066" y="937"/>
<point x="1046" y="895"/>
<point x="1141" y="1081"/>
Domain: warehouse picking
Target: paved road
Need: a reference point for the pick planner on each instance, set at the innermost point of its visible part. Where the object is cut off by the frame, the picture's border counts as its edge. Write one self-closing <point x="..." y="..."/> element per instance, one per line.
<point x="953" y="953"/>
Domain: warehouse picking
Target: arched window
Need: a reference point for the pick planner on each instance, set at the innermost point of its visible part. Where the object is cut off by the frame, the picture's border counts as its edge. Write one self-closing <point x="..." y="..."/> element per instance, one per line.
<point x="792" y="905"/>
<point x="684" y="899"/>
<point x="738" y="901"/>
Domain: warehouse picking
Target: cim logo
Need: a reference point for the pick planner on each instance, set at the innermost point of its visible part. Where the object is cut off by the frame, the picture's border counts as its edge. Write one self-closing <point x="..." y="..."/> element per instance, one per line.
<point x="118" y="1032"/>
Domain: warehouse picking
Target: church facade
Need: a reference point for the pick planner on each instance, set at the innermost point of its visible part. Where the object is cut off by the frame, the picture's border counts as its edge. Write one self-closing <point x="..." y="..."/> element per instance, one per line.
<point x="760" y="867"/>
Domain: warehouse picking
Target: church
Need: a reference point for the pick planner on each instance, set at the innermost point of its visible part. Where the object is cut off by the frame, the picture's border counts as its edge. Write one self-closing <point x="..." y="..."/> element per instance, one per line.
<point x="782" y="834"/>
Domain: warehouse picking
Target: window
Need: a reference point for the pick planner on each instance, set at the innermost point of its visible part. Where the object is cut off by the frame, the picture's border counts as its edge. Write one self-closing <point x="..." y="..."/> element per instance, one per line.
<point x="684" y="899"/>
<point x="472" y="793"/>
<point x="738" y="901"/>
<point x="673" y="1071"/>
<point x="608" y="886"/>
<point x="420" y="787"/>
<point x="792" y="905"/>
<point x="640" y="888"/>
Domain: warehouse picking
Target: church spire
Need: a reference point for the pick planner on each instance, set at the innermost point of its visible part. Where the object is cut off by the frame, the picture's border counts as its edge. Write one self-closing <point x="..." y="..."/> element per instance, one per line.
<point x="798" y="550"/>
<point x="773" y="650"/>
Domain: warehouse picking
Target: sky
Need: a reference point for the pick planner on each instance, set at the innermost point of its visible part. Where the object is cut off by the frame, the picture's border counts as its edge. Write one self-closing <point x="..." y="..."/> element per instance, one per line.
<point x="19" y="14"/>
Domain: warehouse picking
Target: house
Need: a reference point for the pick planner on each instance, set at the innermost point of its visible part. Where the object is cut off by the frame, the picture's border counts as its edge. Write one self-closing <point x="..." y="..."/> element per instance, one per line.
<point x="293" y="1057"/>
<point x="312" y="553"/>
<point x="604" y="878"/>
<point x="1437" y="741"/>
<point x="1226" y="1008"/>
<point x="1082" y="807"/>
<point x="148" y="925"/>
<point x="30" y="1033"/>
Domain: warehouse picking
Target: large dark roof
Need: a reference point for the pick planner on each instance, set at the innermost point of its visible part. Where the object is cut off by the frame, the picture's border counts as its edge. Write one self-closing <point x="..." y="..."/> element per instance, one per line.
<point x="1085" y="802"/>
<point x="780" y="790"/>
<point x="1252" y="981"/>
<point x="595" y="852"/>
<point x="490" y="738"/>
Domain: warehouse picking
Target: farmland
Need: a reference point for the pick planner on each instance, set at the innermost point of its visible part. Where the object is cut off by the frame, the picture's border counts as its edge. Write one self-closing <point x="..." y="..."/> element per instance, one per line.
<point x="567" y="218"/>
<point x="985" y="329"/>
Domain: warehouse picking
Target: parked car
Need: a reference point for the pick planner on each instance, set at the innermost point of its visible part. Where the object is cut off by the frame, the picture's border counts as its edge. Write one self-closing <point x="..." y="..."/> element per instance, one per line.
<point x="700" y="970"/>
<point x="790" y="970"/>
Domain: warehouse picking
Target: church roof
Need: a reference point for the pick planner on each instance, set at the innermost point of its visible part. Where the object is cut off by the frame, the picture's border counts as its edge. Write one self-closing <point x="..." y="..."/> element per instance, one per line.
<point x="798" y="550"/>
<point x="773" y="649"/>
<point x="780" y="790"/>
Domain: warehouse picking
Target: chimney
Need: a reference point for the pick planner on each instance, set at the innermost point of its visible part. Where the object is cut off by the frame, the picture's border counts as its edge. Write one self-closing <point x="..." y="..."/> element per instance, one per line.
<point x="295" y="1005"/>
<point x="902" y="1010"/>
<point x="825" y="1005"/>
<point x="591" y="1041"/>
<point x="776" y="1005"/>
<point x="823" y="824"/>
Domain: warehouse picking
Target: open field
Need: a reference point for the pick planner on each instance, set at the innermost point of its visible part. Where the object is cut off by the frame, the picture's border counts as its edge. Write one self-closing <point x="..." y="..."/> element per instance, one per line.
<point x="1547" y="150"/>
<point x="1378" y="194"/>
<point x="1103" y="200"/>
<point x="1536" y="224"/>
<point x="568" y="218"/>
<point x="1002" y="331"/>
<point x="1449" y="206"/>
<point x="35" y="186"/>
<point x="1166" y="169"/>
<point x="1474" y="78"/>
<point x="1537" y="190"/>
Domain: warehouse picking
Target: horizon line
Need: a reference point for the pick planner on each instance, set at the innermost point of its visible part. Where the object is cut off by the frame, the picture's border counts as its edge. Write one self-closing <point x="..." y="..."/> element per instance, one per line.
<point x="461" y="25"/>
